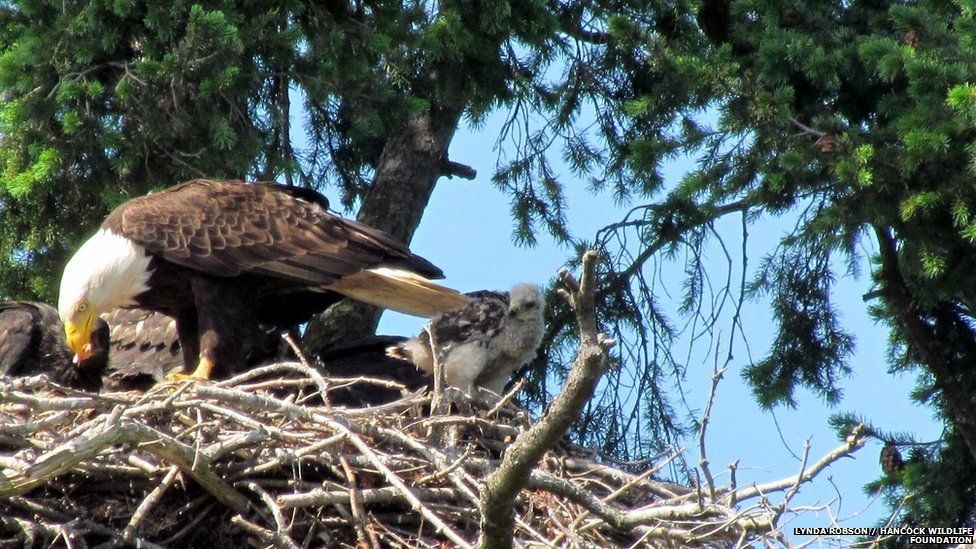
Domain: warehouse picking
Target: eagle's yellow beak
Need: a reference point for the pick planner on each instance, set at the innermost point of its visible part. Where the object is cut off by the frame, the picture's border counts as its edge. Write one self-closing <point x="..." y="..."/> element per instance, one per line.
<point x="77" y="330"/>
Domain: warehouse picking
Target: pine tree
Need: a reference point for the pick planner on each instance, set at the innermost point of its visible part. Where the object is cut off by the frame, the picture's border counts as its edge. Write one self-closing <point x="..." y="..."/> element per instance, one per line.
<point x="856" y="119"/>
<point x="102" y="102"/>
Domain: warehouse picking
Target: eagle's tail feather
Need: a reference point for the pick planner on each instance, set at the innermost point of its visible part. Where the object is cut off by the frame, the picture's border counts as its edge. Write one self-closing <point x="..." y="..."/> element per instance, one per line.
<point x="400" y="290"/>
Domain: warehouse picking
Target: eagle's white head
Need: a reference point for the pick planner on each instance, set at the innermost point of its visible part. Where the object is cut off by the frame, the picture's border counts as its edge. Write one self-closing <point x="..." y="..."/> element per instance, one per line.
<point x="107" y="272"/>
<point x="525" y="301"/>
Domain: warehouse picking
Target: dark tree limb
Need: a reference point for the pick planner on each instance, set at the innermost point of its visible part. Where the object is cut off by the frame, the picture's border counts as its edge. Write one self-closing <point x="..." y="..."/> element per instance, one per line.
<point x="408" y="169"/>
<point x="714" y="18"/>
<point x="502" y="486"/>
<point x="924" y="341"/>
<point x="451" y="169"/>
<point x="571" y="24"/>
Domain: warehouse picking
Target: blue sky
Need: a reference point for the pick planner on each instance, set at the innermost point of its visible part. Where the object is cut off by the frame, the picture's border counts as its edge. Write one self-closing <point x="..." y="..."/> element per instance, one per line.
<point x="467" y="231"/>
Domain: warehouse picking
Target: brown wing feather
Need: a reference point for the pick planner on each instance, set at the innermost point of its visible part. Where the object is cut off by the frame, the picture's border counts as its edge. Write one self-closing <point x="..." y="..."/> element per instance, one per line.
<point x="229" y="228"/>
<point x="141" y="327"/>
<point x="21" y="324"/>
<point x="144" y="348"/>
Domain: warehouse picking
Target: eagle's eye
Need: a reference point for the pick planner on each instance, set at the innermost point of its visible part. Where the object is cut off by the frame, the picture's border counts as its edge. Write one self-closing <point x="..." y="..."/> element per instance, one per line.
<point x="82" y="307"/>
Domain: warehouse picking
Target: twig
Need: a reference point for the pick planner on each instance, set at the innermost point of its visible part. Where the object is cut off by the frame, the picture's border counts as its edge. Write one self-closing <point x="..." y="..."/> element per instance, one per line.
<point x="733" y="467"/>
<point x="65" y="457"/>
<point x="273" y="508"/>
<point x="365" y="535"/>
<point x="31" y="427"/>
<point x="853" y="443"/>
<point x="575" y="527"/>
<point x="717" y="374"/>
<point x="432" y="454"/>
<point x="189" y="527"/>
<point x="439" y="404"/>
<point x="805" y="128"/>
<point x="796" y="485"/>
<point x="286" y="335"/>
<point x="441" y="473"/>
<point x="265" y="535"/>
<point x="318" y="497"/>
<point x="397" y="482"/>
<point x="506" y="398"/>
<point x="640" y="517"/>
<point x="150" y="501"/>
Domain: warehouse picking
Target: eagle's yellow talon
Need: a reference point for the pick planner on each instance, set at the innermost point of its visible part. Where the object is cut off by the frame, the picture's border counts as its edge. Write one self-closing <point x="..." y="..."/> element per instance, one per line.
<point x="202" y="373"/>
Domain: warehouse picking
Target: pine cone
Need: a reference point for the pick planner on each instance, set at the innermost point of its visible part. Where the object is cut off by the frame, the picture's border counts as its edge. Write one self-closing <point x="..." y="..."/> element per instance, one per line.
<point x="891" y="461"/>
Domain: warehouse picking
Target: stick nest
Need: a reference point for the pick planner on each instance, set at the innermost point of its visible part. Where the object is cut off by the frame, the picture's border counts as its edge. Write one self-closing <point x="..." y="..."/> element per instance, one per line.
<point x="263" y="460"/>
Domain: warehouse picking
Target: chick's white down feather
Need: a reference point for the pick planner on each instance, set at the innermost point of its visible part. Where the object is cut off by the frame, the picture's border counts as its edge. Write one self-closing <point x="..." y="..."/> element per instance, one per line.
<point x="483" y="343"/>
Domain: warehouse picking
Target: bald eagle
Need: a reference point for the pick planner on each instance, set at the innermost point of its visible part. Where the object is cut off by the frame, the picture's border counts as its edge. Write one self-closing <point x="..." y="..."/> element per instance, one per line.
<point x="482" y="343"/>
<point x="221" y="257"/>
<point x="32" y="342"/>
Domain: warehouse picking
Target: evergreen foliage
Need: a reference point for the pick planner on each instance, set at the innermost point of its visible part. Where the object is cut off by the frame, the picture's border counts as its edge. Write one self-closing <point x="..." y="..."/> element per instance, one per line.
<point x="856" y="120"/>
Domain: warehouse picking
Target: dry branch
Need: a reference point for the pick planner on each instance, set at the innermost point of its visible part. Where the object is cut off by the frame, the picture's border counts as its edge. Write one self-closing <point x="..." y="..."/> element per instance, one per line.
<point x="257" y="468"/>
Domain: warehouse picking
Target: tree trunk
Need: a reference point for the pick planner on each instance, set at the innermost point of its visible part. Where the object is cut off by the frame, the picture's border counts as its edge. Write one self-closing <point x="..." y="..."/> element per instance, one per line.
<point x="924" y="338"/>
<point x="408" y="168"/>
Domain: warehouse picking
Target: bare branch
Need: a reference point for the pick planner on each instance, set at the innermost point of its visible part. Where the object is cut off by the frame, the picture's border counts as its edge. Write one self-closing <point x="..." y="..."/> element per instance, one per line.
<point x="267" y="536"/>
<point x="65" y="457"/>
<point x="717" y="374"/>
<point x="148" y="503"/>
<point x="854" y="442"/>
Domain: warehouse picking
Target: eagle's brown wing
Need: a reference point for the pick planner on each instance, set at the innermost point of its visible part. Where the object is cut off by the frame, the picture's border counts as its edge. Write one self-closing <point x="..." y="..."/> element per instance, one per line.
<point x="21" y="326"/>
<point x="226" y="228"/>
<point x="139" y="327"/>
<point x="144" y="348"/>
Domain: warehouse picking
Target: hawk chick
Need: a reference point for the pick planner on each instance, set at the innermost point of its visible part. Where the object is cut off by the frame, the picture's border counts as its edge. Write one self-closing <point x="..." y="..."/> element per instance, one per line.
<point x="484" y="342"/>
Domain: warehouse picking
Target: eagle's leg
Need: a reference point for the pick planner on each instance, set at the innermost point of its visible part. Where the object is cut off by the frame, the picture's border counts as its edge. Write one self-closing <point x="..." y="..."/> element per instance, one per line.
<point x="461" y="375"/>
<point x="494" y="377"/>
<point x="188" y="333"/>
<point x="227" y="325"/>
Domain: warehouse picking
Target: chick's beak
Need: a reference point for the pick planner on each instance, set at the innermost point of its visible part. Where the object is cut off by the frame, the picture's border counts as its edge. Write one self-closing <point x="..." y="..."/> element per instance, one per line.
<point x="79" y="337"/>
